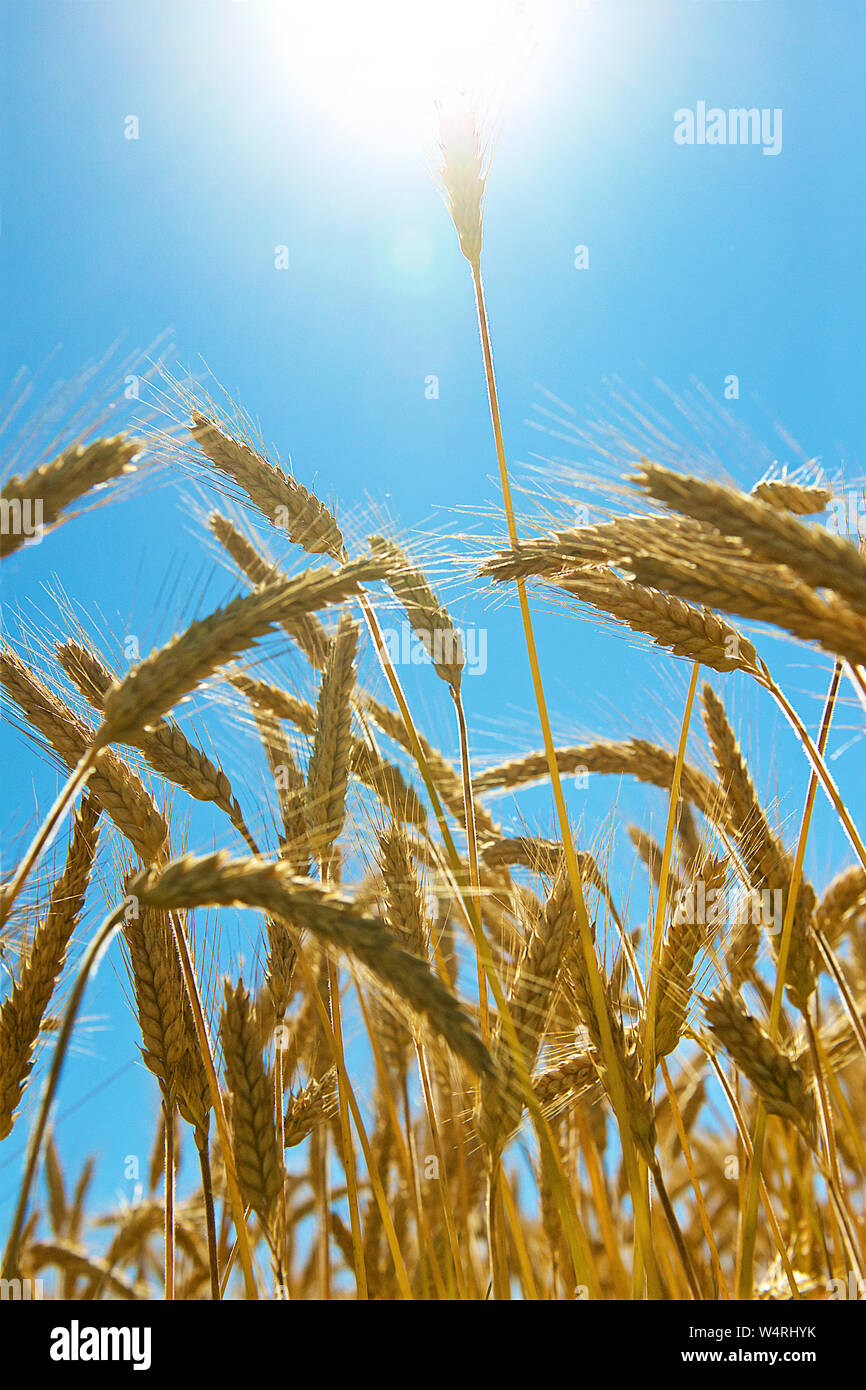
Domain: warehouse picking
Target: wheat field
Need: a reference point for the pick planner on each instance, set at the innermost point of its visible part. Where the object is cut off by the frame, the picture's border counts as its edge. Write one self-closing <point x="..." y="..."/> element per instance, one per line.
<point x="456" y="1065"/>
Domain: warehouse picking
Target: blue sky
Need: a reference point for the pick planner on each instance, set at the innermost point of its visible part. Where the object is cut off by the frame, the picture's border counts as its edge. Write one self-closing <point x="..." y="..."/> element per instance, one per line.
<point x="703" y="262"/>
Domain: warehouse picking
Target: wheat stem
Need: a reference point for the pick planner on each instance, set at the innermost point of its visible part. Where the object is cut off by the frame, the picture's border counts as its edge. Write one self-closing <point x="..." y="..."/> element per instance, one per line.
<point x="169" y="1113"/>
<point x="346" y="1135"/>
<point x="203" y="1147"/>
<point x="472" y="846"/>
<point x="750" y="1212"/>
<point x="98" y="944"/>
<point x="611" y="1061"/>
<point x="664" y="874"/>
<point x="46" y="832"/>
<point x="372" y="1166"/>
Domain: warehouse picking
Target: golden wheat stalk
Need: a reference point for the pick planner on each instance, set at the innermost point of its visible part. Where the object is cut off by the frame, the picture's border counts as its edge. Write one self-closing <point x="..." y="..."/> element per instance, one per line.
<point x="818" y="557"/>
<point x="161" y="680"/>
<point x="803" y="499"/>
<point x="23" y="1010"/>
<point x="778" y="1081"/>
<point x="167" y="749"/>
<point x="114" y="786"/>
<point x="328" y="774"/>
<point x="56" y="485"/>
<point x="330" y="919"/>
<point x="257" y="1154"/>
<point x="285" y="502"/>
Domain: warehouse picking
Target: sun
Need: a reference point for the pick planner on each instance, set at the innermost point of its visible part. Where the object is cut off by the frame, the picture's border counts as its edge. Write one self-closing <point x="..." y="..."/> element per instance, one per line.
<point x="378" y="67"/>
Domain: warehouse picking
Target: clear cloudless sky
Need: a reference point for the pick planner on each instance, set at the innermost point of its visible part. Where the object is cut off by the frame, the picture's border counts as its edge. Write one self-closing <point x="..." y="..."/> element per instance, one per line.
<point x="704" y="261"/>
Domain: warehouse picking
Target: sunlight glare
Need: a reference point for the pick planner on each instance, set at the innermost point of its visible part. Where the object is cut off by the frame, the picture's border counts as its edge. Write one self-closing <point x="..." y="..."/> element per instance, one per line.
<point x="377" y="68"/>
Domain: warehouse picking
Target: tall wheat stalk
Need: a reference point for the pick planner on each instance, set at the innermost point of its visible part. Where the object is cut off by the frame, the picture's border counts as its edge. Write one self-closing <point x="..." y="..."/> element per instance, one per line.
<point x="464" y="180"/>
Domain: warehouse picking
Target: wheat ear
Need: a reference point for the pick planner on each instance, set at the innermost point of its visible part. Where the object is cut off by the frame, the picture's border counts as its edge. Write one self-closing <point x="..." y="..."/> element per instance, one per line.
<point x="759" y="592"/>
<point x="328" y="774"/>
<point x="285" y="502"/>
<point x="165" y="677"/>
<point x="767" y="862"/>
<point x="254" y="1134"/>
<point x="23" y="1011"/>
<point x="313" y="1104"/>
<point x="799" y="498"/>
<point x="529" y="1003"/>
<point x="841" y="902"/>
<point x="778" y="1081"/>
<point x="114" y="786"/>
<point x="167" y="749"/>
<point x="55" y="485"/>
<point x="331" y="920"/>
<point x="697" y="633"/>
<point x="636" y="757"/>
<point x="307" y="630"/>
<point x="685" y="937"/>
<point x="428" y="617"/>
<point x="819" y="558"/>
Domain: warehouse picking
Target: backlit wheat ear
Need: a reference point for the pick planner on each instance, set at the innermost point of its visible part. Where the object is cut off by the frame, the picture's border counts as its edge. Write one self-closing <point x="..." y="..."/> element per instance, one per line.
<point x="396" y="794"/>
<point x="685" y="937"/>
<point x="114" y="787"/>
<point x="778" y="1081"/>
<point x="67" y="1256"/>
<point x="819" y="558"/>
<point x="170" y="1047"/>
<point x="799" y="498"/>
<point x="291" y="790"/>
<point x="768" y="864"/>
<point x="637" y="757"/>
<point x="380" y="776"/>
<point x="429" y="619"/>
<point x="759" y="592"/>
<point x="167" y="749"/>
<point x="137" y="1223"/>
<point x="652" y="855"/>
<point x="697" y="633"/>
<point x="405" y="916"/>
<point x="56" y="485"/>
<point x="328" y="776"/>
<point x="763" y="854"/>
<point x="254" y="1134"/>
<point x="165" y="677"/>
<point x="581" y="548"/>
<point x="281" y="962"/>
<point x="282" y="500"/>
<point x="313" y="1104"/>
<point x="842" y="900"/>
<point x="331" y="919"/>
<point x="575" y="1078"/>
<point x="463" y="173"/>
<point x="306" y="630"/>
<point x="529" y="1003"/>
<point x="405" y="911"/>
<point x="159" y="996"/>
<point x="23" y="1011"/>
<point x="637" y="1100"/>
